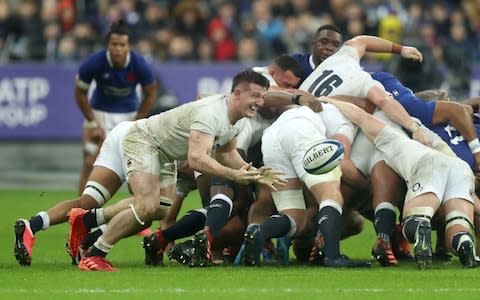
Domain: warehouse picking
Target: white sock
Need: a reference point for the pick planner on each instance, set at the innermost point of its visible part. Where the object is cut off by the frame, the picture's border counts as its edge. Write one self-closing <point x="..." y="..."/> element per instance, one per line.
<point x="45" y="219"/>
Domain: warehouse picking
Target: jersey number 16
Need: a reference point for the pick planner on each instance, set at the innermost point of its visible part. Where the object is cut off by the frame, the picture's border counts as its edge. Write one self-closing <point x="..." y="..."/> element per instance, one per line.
<point x="324" y="85"/>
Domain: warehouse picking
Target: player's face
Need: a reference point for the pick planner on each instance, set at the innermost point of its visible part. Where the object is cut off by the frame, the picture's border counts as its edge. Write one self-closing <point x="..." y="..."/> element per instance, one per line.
<point x="285" y="79"/>
<point x="251" y="98"/>
<point x="325" y="44"/>
<point x="118" y="46"/>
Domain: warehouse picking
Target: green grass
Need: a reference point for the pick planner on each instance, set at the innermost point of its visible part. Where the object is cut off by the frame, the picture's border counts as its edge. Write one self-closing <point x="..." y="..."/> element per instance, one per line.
<point x="51" y="275"/>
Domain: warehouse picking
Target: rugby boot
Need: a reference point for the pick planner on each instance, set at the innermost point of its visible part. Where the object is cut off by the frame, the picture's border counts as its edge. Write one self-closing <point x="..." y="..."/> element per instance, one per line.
<point x="78" y="231"/>
<point x="249" y="254"/>
<point x="423" y="245"/>
<point x="145" y="232"/>
<point x="344" y="262"/>
<point x="96" y="263"/>
<point x="24" y="241"/>
<point x="466" y="254"/>
<point x="202" y="253"/>
<point x="382" y="252"/>
<point x="154" y="245"/>
<point x="182" y="252"/>
<point x="400" y="245"/>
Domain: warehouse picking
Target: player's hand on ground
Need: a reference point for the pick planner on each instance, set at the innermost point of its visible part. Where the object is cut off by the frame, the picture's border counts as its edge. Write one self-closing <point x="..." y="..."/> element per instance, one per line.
<point x="411" y="53"/>
<point x="422" y="136"/>
<point x="271" y="177"/>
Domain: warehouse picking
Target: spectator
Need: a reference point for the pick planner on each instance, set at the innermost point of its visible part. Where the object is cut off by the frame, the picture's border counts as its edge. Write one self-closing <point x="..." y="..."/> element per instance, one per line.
<point x="188" y="20"/>
<point x="269" y="28"/>
<point x="205" y="51"/>
<point x="457" y="55"/>
<point x="85" y="38"/>
<point x="67" y="51"/>
<point x="248" y="51"/>
<point x="220" y="36"/>
<point x="155" y="17"/>
<point x="417" y="76"/>
<point x="51" y="35"/>
<point x="181" y="49"/>
<point x="27" y="32"/>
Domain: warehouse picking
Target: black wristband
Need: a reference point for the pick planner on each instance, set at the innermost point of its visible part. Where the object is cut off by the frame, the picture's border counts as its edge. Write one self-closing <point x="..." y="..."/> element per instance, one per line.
<point x="296" y="99"/>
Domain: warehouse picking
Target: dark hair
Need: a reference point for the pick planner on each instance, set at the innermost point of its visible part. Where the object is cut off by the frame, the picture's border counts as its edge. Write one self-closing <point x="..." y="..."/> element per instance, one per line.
<point x="250" y="76"/>
<point x="118" y="27"/>
<point x="329" y="27"/>
<point x="288" y="63"/>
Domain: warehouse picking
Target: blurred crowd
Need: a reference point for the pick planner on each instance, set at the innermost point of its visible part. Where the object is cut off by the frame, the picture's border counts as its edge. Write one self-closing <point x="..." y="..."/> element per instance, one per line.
<point x="66" y="31"/>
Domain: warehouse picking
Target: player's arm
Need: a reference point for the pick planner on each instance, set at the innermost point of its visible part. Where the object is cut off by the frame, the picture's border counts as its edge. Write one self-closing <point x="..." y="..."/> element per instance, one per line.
<point x="228" y="155"/>
<point x="460" y="117"/>
<point x="395" y="112"/>
<point x="364" y="43"/>
<point x="281" y="98"/>
<point x="149" y="93"/>
<point x="199" y="150"/>
<point x="437" y="95"/>
<point x="81" y="97"/>
<point x="474" y="103"/>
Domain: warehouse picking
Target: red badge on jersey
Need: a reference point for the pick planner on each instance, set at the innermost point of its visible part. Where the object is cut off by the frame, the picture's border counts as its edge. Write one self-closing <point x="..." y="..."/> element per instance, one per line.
<point x="131" y="77"/>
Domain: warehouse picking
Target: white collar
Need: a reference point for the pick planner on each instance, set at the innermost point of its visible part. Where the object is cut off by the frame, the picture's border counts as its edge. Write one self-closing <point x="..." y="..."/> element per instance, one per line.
<point x="109" y="59"/>
<point x="310" y="60"/>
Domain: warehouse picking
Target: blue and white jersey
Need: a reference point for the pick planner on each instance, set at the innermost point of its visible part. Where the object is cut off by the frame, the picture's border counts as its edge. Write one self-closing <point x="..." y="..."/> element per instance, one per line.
<point x="423" y="110"/>
<point x="457" y="143"/>
<point x="415" y="106"/>
<point x="115" y="87"/>
<point x="306" y="61"/>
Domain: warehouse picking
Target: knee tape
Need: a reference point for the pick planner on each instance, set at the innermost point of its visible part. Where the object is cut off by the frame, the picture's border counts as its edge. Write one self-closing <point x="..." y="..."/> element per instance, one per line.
<point x="385" y="205"/>
<point x="97" y="192"/>
<point x="331" y="203"/>
<point x="165" y="202"/>
<point x="288" y="199"/>
<point x="457" y="217"/>
<point x="420" y="211"/>
<point x="132" y="207"/>
<point x="311" y="180"/>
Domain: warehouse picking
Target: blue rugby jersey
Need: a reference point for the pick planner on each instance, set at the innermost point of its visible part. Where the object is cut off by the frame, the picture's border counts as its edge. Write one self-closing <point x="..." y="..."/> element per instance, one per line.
<point x="424" y="110"/>
<point x="306" y="61"/>
<point x="115" y="87"/>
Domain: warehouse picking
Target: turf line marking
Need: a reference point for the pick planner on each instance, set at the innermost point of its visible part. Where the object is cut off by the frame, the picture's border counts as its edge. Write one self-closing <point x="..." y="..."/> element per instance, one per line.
<point x="235" y="291"/>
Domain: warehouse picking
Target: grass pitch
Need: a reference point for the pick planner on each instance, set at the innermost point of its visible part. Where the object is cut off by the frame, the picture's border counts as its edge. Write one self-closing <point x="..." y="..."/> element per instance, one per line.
<point x="51" y="275"/>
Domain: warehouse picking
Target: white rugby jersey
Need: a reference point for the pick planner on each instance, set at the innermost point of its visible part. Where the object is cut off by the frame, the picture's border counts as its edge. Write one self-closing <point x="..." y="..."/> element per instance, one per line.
<point x="169" y="131"/>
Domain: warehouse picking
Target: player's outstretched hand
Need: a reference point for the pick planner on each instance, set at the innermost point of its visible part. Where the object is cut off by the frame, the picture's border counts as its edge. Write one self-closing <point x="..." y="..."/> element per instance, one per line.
<point x="271" y="178"/>
<point x="247" y="174"/>
<point x="412" y="53"/>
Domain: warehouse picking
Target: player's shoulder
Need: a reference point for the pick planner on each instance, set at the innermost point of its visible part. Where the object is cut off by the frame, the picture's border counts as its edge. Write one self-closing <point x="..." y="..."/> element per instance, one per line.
<point x="137" y="57"/>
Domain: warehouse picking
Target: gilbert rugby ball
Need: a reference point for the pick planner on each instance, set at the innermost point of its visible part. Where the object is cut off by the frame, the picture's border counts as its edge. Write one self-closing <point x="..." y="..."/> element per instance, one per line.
<point x="323" y="157"/>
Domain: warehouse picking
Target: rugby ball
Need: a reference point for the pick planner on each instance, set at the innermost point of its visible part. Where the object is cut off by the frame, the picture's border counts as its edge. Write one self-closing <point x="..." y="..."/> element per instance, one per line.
<point x="323" y="157"/>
